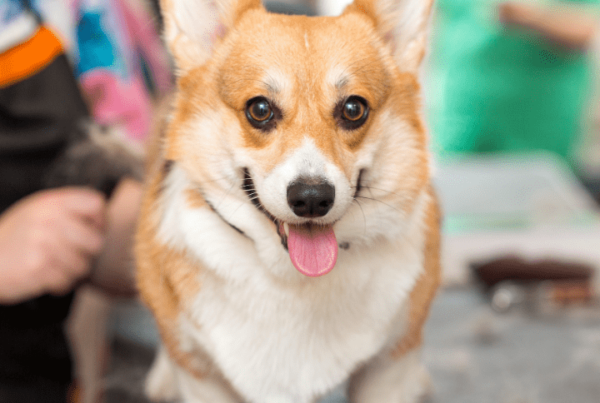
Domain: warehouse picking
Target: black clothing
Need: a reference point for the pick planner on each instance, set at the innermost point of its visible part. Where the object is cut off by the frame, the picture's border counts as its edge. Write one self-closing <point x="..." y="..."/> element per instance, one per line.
<point x="38" y="117"/>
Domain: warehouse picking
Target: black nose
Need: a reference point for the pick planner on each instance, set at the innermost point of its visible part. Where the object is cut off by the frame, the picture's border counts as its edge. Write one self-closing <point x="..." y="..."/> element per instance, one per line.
<point x="307" y="198"/>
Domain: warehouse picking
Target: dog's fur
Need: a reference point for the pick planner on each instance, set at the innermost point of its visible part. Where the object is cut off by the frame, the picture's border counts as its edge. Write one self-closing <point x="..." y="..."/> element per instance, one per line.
<point x="238" y="322"/>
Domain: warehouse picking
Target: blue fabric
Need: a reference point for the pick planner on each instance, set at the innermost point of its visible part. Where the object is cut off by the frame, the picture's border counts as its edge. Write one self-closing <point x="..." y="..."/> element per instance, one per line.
<point x="9" y="11"/>
<point x="95" y="48"/>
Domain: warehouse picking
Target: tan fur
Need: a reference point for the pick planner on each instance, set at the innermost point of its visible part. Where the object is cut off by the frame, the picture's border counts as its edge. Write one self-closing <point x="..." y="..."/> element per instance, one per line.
<point x="424" y="292"/>
<point x="166" y="278"/>
<point x="154" y="145"/>
<point x="385" y="14"/>
<point x="195" y="199"/>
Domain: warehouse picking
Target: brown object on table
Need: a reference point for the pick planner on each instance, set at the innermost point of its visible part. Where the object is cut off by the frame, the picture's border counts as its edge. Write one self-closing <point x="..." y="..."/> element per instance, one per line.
<point x="518" y="269"/>
<point x="571" y="292"/>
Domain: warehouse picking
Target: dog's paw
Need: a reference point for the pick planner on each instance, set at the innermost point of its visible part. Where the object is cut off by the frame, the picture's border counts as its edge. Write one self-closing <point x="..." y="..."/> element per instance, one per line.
<point x="161" y="383"/>
<point x="422" y="390"/>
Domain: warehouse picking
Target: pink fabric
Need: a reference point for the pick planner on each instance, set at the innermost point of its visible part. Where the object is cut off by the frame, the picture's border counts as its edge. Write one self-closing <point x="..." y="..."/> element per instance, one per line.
<point x="117" y="91"/>
<point x="145" y="37"/>
<point x="115" y="101"/>
<point x="124" y="99"/>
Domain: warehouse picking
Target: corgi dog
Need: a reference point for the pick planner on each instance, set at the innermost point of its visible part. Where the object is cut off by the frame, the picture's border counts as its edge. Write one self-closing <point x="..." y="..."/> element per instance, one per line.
<point x="288" y="242"/>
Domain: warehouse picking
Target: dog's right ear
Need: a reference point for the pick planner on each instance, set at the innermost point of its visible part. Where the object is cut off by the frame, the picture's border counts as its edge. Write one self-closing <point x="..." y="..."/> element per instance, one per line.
<point x="194" y="27"/>
<point x="403" y="25"/>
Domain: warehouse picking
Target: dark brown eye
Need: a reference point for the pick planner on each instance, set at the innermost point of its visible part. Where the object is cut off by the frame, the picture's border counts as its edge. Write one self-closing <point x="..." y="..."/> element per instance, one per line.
<point x="259" y="112"/>
<point x="353" y="109"/>
<point x="352" y="112"/>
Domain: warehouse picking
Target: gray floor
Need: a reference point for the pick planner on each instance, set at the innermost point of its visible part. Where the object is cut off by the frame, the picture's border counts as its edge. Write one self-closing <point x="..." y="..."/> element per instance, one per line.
<point x="474" y="355"/>
<point x="524" y="356"/>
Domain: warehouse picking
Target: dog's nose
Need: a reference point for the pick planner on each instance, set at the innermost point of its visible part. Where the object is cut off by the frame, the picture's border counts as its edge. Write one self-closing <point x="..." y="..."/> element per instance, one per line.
<point x="309" y="199"/>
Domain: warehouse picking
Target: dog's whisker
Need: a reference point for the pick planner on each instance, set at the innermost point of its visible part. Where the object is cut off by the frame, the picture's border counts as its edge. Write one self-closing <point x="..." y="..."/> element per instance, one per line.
<point x="377" y="200"/>
<point x="385" y="191"/>
<point x="363" y="214"/>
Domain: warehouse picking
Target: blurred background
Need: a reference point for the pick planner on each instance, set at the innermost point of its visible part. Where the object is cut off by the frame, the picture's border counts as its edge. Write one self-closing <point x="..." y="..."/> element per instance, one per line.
<point x="512" y="100"/>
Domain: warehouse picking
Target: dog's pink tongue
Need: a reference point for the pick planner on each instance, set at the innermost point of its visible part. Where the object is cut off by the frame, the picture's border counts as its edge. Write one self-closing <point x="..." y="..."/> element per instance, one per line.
<point x="313" y="249"/>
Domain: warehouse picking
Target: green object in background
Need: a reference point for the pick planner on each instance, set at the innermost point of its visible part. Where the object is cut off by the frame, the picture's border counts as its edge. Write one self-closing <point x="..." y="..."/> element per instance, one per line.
<point x="495" y="89"/>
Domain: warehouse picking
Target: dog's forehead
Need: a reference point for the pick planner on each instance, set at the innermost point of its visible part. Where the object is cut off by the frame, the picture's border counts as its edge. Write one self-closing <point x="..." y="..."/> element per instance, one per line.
<point x="277" y="54"/>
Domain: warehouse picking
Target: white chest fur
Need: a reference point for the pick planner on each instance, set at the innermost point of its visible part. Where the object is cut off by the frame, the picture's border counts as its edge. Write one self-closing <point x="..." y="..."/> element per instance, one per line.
<point x="288" y="340"/>
<point x="300" y="341"/>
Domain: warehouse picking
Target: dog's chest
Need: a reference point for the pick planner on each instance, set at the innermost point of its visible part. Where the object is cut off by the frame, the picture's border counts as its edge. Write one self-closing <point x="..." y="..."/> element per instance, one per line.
<point x="295" y="342"/>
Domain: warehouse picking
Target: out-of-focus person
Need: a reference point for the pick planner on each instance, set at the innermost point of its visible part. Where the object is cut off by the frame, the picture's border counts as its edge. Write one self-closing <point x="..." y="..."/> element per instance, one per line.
<point x="569" y="27"/>
<point x="54" y="240"/>
<point x="576" y="29"/>
<point x="501" y="86"/>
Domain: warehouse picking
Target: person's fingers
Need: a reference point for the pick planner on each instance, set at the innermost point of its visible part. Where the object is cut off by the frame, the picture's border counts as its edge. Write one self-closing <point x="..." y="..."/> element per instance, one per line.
<point x="82" y="236"/>
<point x="55" y="280"/>
<point x="86" y="203"/>
<point x="66" y="267"/>
<point x="73" y="263"/>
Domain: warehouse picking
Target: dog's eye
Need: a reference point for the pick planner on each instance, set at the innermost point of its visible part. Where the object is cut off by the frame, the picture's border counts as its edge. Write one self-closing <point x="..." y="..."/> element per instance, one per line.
<point x="353" y="112"/>
<point x="353" y="109"/>
<point x="259" y="112"/>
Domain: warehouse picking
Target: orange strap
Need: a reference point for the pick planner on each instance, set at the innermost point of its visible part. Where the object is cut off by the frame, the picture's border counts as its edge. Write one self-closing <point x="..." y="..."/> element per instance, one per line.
<point x="28" y="58"/>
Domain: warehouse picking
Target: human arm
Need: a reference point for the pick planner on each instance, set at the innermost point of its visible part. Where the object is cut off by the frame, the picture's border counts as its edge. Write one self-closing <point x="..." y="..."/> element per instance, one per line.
<point x="113" y="268"/>
<point x="567" y="27"/>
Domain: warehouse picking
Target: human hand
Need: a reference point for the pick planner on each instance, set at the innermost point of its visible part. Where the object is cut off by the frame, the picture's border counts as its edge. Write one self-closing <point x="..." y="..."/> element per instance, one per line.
<point x="47" y="242"/>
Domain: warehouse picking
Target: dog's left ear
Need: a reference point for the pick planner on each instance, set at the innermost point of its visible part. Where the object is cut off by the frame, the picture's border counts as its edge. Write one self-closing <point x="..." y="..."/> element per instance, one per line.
<point x="403" y="24"/>
<point x="194" y="27"/>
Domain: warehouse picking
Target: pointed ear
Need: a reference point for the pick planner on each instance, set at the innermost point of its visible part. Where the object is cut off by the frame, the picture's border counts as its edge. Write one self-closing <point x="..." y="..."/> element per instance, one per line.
<point x="403" y="24"/>
<point x="194" y="27"/>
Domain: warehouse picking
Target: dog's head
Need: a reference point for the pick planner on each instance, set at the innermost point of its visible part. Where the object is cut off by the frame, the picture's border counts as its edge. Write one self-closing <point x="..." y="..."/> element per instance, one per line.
<point x="313" y="123"/>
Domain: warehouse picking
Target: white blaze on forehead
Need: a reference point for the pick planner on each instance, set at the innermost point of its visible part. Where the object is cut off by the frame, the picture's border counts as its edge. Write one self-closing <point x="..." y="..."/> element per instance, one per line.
<point x="306" y="41"/>
<point x="276" y="81"/>
<point x="337" y="77"/>
<point x="309" y="162"/>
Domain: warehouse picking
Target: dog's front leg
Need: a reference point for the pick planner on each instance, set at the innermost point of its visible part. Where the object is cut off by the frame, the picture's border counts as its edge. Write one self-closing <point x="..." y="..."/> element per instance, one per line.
<point x="389" y="379"/>
<point x="397" y="374"/>
<point x="210" y="389"/>
<point x="169" y="382"/>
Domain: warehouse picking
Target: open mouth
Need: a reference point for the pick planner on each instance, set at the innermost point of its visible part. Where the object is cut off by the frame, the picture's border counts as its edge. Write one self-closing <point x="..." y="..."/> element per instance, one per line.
<point x="312" y="247"/>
